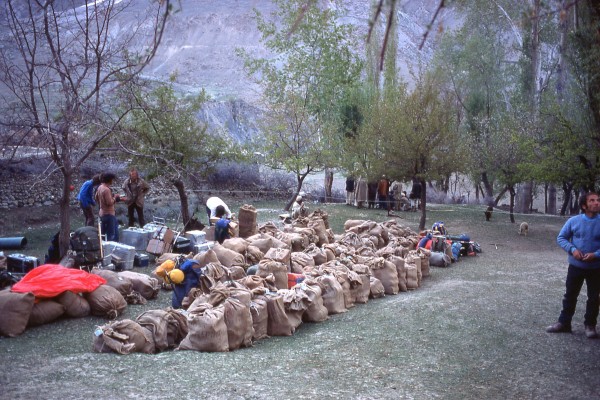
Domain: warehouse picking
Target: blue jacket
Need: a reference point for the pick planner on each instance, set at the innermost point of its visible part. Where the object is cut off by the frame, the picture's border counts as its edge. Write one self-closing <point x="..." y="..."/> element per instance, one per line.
<point x="582" y="233"/>
<point x="86" y="194"/>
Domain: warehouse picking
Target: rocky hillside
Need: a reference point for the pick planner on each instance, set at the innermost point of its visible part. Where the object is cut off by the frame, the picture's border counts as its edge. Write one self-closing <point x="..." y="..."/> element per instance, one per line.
<point x="201" y="39"/>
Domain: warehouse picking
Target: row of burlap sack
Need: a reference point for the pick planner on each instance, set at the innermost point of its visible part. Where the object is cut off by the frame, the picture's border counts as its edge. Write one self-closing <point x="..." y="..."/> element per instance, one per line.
<point x="369" y="260"/>
<point x="22" y="310"/>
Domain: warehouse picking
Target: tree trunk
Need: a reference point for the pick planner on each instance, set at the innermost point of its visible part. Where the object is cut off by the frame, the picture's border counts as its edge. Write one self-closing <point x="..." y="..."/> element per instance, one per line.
<point x="183" y="199"/>
<point x="328" y="184"/>
<point x="524" y="198"/>
<point x="567" y="190"/>
<point x="300" y="180"/>
<point x="497" y="200"/>
<point x="488" y="186"/>
<point x="423" y="205"/>
<point x="551" y="199"/>
<point x="65" y="212"/>
<point x="511" y="189"/>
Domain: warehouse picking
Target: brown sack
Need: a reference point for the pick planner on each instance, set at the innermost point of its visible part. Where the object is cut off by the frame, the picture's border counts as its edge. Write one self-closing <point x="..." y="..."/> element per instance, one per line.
<point x="267" y="267"/>
<point x="236" y="244"/>
<point x="280" y="255"/>
<point x="361" y="291"/>
<point x="239" y="323"/>
<point x="317" y="254"/>
<point x="228" y="257"/>
<point x="424" y="254"/>
<point x="260" y="318"/>
<point x="76" y="306"/>
<point x="300" y="261"/>
<point x="206" y="330"/>
<point x="144" y="284"/>
<point x="316" y="311"/>
<point x="15" y="309"/>
<point x="121" y="283"/>
<point x="44" y="312"/>
<point x="318" y="225"/>
<point x="386" y="272"/>
<point x="253" y="255"/>
<point x="377" y="289"/>
<point x="168" y="327"/>
<point x="124" y="337"/>
<point x="401" y="270"/>
<point x="247" y="219"/>
<point x="252" y="281"/>
<point x="278" y="323"/>
<point x="206" y="258"/>
<point x="333" y="294"/>
<point x="106" y="301"/>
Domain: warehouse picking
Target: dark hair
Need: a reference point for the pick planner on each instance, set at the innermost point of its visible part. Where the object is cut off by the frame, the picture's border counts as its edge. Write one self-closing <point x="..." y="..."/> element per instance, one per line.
<point x="220" y="211"/>
<point x="107" y="177"/>
<point x="583" y="199"/>
<point x="96" y="179"/>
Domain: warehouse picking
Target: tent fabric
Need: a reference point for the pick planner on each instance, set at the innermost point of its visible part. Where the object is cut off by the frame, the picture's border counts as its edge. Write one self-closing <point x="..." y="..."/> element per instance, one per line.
<point x="50" y="280"/>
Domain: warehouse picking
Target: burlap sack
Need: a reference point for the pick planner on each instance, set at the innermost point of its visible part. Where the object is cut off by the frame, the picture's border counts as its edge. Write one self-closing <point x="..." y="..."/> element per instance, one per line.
<point x="352" y="223"/>
<point x="316" y="253"/>
<point x="386" y="272"/>
<point x="247" y="219"/>
<point x="278" y="270"/>
<point x="414" y="258"/>
<point x="236" y="244"/>
<point x="316" y="311"/>
<point x="377" y="289"/>
<point x="253" y="255"/>
<point x="412" y="280"/>
<point x="106" y="301"/>
<point x="252" y="281"/>
<point x="44" y="312"/>
<point x="121" y="283"/>
<point x="144" y="284"/>
<point x="333" y="294"/>
<point x="344" y="281"/>
<point x="15" y="309"/>
<point x="76" y="306"/>
<point x="240" y="292"/>
<point x="269" y="228"/>
<point x="124" y="337"/>
<point x="168" y="256"/>
<point x="228" y="257"/>
<point x="260" y="318"/>
<point x="233" y="273"/>
<point x="318" y="225"/>
<point x="298" y="242"/>
<point x="238" y="320"/>
<point x="401" y="270"/>
<point x="424" y="254"/>
<point x="206" y="258"/>
<point x="206" y="330"/>
<point x="295" y="301"/>
<point x="300" y="261"/>
<point x="361" y="291"/>
<point x="263" y="241"/>
<point x="280" y="255"/>
<point x="278" y="323"/>
<point x="168" y="327"/>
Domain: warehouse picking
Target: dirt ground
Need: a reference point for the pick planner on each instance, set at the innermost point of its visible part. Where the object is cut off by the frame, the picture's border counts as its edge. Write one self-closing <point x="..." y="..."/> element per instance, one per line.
<point x="474" y="330"/>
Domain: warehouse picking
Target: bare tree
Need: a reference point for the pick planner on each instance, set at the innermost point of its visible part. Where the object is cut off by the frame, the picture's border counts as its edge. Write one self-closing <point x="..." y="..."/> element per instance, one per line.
<point x="59" y="67"/>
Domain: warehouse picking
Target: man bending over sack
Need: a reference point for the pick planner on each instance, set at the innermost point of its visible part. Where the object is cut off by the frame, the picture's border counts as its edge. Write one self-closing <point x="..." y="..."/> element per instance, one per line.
<point x="221" y="226"/>
<point x="211" y="208"/>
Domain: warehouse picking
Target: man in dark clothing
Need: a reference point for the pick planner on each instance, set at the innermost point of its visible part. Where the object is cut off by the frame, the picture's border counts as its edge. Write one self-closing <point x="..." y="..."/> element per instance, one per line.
<point x="371" y="193"/>
<point x="222" y="225"/>
<point x="350" y="190"/>
<point x="135" y="191"/>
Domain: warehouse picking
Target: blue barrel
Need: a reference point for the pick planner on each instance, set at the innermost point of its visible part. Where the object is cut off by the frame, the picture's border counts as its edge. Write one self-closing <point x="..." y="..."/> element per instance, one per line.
<point x="13" y="243"/>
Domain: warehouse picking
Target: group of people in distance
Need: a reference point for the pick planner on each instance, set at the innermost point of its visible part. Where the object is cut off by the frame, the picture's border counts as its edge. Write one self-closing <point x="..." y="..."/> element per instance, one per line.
<point x="97" y="192"/>
<point x="382" y="194"/>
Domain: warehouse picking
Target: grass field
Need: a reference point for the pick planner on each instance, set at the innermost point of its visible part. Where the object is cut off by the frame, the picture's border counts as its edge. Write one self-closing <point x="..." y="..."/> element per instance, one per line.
<point x="474" y="330"/>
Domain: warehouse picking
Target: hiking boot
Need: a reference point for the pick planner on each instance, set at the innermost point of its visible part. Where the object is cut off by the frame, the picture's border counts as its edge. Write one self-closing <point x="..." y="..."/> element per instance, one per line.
<point x="590" y="332"/>
<point x="560" y="328"/>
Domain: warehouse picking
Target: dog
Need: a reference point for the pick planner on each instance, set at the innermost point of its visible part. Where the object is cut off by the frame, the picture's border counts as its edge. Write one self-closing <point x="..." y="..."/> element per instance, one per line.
<point x="488" y="213"/>
<point x="524" y="228"/>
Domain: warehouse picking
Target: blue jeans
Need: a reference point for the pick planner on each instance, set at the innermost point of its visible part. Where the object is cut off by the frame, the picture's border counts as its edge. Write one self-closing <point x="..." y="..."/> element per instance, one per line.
<point x="575" y="278"/>
<point x="110" y="227"/>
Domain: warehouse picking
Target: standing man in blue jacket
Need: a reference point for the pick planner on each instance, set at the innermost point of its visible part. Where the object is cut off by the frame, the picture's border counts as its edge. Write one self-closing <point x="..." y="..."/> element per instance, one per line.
<point x="580" y="238"/>
<point x="86" y="199"/>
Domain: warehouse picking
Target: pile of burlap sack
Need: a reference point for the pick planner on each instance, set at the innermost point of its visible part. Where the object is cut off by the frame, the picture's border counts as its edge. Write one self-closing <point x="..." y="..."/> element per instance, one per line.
<point x="230" y="309"/>
<point x="22" y="310"/>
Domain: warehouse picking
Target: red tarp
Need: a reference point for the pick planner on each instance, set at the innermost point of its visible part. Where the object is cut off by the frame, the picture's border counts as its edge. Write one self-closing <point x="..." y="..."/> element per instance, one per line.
<point x="50" y="280"/>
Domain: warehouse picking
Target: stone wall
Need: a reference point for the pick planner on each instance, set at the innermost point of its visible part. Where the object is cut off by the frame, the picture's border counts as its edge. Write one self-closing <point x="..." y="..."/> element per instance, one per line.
<point x="22" y="191"/>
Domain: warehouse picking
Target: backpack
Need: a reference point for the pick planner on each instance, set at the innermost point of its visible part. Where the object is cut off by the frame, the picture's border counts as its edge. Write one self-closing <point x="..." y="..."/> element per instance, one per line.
<point x="439" y="228"/>
<point x="85" y="242"/>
